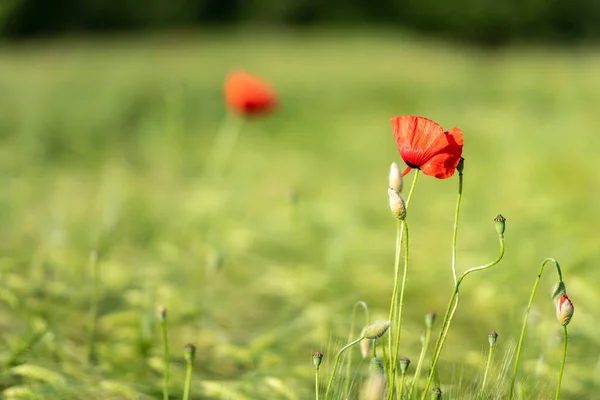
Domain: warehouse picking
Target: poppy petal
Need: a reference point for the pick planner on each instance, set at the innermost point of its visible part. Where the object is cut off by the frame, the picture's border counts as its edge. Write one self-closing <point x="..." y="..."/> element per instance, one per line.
<point x="417" y="138"/>
<point x="443" y="164"/>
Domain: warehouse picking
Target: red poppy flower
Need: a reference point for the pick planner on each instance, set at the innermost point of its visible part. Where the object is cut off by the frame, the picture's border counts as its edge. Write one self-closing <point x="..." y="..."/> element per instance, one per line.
<point x="248" y="95"/>
<point x="423" y="144"/>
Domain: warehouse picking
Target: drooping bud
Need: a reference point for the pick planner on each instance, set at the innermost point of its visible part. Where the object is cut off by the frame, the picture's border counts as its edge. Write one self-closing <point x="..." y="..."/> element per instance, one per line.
<point x="397" y="204"/>
<point x="190" y="353"/>
<point x="558" y="291"/>
<point x="376" y="330"/>
<point x="366" y="345"/>
<point x="429" y="319"/>
<point x="436" y="393"/>
<point x="395" y="178"/>
<point x="161" y="312"/>
<point x="404" y="363"/>
<point x="492" y="337"/>
<point x="564" y="310"/>
<point x="376" y="385"/>
<point x="500" y="224"/>
<point x="317" y="358"/>
<point x="461" y="166"/>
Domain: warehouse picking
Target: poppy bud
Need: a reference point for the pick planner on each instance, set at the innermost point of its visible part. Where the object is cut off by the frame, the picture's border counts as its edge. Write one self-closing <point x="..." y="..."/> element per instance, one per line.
<point x="460" y="166"/>
<point x="564" y="310"/>
<point x="190" y="353"/>
<point x="397" y="204"/>
<point x="429" y="319"/>
<point x="558" y="291"/>
<point x="492" y="337"/>
<point x="436" y="393"/>
<point x="161" y="312"/>
<point x="500" y="224"/>
<point x="366" y="345"/>
<point x="317" y="358"/>
<point x="404" y="363"/>
<point x="395" y="178"/>
<point x="376" y="330"/>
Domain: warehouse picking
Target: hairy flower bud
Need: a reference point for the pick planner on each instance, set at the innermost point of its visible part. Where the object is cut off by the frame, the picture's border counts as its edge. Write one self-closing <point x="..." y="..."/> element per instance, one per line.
<point x="376" y="330"/>
<point x="397" y="204"/>
<point x="395" y="178"/>
<point x="564" y="310"/>
<point x="558" y="290"/>
<point x="366" y="345"/>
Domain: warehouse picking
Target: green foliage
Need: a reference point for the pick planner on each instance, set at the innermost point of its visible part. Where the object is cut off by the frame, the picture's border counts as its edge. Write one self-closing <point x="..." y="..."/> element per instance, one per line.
<point x="103" y="147"/>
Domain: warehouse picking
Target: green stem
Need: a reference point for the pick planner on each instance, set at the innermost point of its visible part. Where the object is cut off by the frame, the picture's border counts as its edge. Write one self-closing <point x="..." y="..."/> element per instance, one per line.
<point x="337" y="363"/>
<point x="399" y="236"/>
<point x="401" y="385"/>
<point x="451" y="310"/>
<point x="455" y="233"/>
<point x="317" y="383"/>
<point x="424" y="349"/>
<point x="352" y="325"/>
<point x="223" y="144"/>
<point x="487" y="368"/>
<point x="522" y="337"/>
<point x="91" y="339"/>
<point x="400" y="306"/>
<point x="167" y="364"/>
<point x="188" y="381"/>
<point x="562" y="363"/>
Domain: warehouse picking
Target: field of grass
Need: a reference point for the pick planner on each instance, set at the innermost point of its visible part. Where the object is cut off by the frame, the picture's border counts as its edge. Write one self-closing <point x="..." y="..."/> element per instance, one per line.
<point x="103" y="146"/>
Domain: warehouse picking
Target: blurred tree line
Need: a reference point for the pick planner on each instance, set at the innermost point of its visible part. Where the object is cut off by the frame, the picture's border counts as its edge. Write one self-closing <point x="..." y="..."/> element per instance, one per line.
<point x="482" y="21"/>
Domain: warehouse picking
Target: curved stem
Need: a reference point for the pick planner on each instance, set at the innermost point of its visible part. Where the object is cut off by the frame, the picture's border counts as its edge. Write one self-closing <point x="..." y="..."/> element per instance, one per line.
<point x="400" y="308"/>
<point x="352" y="325"/>
<point x="337" y="362"/>
<point x="522" y="337"/>
<point x="487" y="368"/>
<point x="317" y="383"/>
<point x="562" y="363"/>
<point x="455" y="233"/>
<point x="452" y="307"/>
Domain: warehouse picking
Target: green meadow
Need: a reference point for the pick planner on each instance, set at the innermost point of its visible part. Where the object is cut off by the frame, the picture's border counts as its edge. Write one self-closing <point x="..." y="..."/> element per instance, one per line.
<point x="103" y="150"/>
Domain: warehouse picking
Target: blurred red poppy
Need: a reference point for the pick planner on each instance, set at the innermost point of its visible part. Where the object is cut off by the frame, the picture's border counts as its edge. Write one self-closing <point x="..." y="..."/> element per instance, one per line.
<point x="424" y="145"/>
<point x="248" y="95"/>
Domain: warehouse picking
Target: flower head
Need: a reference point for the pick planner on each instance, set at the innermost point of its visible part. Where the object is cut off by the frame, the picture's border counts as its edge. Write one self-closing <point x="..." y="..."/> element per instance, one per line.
<point x="564" y="310"/>
<point x="248" y="95"/>
<point x="423" y="144"/>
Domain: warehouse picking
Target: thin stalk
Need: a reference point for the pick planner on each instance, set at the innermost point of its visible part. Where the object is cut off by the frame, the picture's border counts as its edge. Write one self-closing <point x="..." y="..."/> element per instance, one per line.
<point x="352" y="325"/>
<point x="188" y="380"/>
<point x="399" y="310"/>
<point x="399" y="237"/>
<point x="223" y="144"/>
<point x="451" y="310"/>
<point x="93" y="318"/>
<point x="424" y="349"/>
<point x="522" y="337"/>
<point x="166" y="358"/>
<point x="337" y="363"/>
<point x="317" y="383"/>
<point x="401" y="386"/>
<point x="487" y="368"/>
<point x="562" y="363"/>
<point x="455" y="233"/>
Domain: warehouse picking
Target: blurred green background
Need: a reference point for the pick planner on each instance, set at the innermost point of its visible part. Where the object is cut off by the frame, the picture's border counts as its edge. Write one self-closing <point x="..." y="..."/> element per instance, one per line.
<point x="103" y="147"/>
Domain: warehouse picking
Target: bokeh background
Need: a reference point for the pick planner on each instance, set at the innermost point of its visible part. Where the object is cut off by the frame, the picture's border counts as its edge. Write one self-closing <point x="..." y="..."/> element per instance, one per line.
<point x="108" y="110"/>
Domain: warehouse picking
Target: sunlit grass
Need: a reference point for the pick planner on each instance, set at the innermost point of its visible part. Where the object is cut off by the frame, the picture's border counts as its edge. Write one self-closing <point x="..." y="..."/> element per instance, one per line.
<point x="103" y="146"/>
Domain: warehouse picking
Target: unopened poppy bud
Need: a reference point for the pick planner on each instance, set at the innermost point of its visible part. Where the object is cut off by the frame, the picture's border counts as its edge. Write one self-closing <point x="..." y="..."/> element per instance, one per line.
<point x="492" y="337"/>
<point x="558" y="291"/>
<point x="429" y="319"/>
<point x="317" y="358"/>
<point x="436" y="393"/>
<point x="161" y="312"/>
<point x="564" y="310"/>
<point x="461" y="166"/>
<point x="376" y="330"/>
<point x="397" y="204"/>
<point x="366" y="345"/>
<point x="376" y="367"/>
<point x="395" y="178"/>
<point x="190" y="353"/>
<point x="404" y="363"/>
<point x="500" y="224"/>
